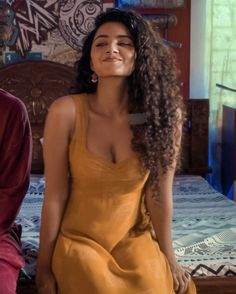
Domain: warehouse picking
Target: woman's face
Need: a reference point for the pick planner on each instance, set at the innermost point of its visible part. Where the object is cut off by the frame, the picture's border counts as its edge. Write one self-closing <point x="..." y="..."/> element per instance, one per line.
<point x="112" y="53"/>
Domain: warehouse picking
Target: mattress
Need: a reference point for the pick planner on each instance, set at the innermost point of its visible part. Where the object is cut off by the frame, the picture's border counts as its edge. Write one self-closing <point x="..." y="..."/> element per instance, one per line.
<point x="204" y="227"/>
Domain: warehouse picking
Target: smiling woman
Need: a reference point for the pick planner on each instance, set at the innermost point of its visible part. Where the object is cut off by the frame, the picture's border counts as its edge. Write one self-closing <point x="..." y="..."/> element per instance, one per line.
<point x="112" y="52"/>
<point x="109" y="179"/>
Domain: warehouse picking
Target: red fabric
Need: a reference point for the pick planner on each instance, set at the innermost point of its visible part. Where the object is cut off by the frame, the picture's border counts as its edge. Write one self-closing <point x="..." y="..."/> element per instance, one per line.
<point x="11" y="261"/>
<point x="15" y="159"/>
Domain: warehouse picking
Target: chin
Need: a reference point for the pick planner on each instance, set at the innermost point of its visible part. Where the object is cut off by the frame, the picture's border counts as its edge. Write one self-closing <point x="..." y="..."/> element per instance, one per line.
<point x="114" y="74"/>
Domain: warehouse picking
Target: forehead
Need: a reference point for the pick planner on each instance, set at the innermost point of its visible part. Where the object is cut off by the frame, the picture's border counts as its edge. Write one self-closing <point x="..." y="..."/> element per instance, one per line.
<point x="112" y="29"/>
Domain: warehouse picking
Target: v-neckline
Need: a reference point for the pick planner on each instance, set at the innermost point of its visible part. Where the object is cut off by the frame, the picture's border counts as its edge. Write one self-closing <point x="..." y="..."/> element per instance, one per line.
<point x="94" y="155"/>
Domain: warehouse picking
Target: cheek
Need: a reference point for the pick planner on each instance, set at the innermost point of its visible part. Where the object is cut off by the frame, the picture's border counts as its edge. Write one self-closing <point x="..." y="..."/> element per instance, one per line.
<point x="132" y="56"/>
<point x="132" y="60"/>
<point x="93" y="63"/>
<point x="92" y="59"/>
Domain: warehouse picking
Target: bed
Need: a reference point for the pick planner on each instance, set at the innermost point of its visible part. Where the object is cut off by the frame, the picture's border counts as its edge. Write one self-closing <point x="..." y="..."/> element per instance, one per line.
<point x="204" y="223"/>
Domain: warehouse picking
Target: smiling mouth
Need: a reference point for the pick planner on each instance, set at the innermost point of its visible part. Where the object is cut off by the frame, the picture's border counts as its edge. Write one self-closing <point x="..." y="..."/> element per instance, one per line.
<point x="112" y="59"/>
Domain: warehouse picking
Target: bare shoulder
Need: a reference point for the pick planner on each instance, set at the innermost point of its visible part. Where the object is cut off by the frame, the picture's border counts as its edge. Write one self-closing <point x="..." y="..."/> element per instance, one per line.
<point x="62" y="105"/>
<point x="61" y="113"/>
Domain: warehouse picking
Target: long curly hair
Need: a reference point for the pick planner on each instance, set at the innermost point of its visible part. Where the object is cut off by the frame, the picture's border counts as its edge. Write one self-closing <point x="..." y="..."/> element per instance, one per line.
<point x="153" y="90"/>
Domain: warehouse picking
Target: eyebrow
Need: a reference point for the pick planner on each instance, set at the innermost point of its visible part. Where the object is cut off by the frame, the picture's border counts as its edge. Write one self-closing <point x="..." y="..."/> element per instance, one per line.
<point x="118" y="36"/>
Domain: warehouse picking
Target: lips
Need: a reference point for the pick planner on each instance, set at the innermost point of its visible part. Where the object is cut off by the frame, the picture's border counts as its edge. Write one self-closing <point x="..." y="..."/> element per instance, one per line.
<point x="112" y="59"/>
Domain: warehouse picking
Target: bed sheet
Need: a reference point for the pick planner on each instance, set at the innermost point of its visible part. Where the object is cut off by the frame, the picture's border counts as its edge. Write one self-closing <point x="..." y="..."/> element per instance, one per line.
<point x="29" y="218"/>
<point x="204" y="227"/>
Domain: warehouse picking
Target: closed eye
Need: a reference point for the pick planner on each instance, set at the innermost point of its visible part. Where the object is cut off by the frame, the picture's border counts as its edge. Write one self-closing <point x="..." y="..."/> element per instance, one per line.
<point x="100" y="44"/>
<point x="125" y="44"/>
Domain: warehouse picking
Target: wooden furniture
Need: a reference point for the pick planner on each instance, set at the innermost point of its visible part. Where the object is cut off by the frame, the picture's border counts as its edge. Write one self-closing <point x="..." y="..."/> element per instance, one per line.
<point x="215" y="285"/>
<point x="228" y="166"/>
<point x="194" y="153"/>
<point x="38" y="83"/>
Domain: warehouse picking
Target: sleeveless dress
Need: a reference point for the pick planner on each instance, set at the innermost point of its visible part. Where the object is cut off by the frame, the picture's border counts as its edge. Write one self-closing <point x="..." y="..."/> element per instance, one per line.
<point x="104" y="245"/>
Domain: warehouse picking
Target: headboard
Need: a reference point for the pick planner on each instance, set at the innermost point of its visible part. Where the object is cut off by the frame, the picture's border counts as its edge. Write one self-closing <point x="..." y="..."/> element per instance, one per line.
<point x="38" y="83"/>
<point x="194" y="153"/>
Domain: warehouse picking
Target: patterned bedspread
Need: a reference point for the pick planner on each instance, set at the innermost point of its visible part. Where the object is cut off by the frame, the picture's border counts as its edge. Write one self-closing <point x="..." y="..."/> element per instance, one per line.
<point x="204" y="227"/>
<point x="29" y="218"/>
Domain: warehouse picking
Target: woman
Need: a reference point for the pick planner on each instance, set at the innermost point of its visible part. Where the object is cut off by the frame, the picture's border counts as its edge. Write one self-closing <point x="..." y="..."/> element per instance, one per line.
<point x="108" y="152"/>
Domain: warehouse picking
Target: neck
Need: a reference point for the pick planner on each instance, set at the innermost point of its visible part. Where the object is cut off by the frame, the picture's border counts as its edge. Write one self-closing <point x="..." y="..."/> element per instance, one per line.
<point x="111" y="97"/>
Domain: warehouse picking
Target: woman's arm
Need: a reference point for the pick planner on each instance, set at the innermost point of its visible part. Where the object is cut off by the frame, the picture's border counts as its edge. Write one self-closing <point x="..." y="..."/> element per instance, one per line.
<point x="160" y="208"/>
<point x="58" y="129"/>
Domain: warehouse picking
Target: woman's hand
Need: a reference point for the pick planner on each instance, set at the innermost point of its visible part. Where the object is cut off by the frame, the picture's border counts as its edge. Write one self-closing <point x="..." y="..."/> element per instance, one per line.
<point x="46" y="283"/>
<point x="181" y="278"/>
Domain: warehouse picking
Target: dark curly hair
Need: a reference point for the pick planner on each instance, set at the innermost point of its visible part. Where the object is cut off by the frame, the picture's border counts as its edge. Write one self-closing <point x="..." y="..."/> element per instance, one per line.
<point x="153" y="89"/>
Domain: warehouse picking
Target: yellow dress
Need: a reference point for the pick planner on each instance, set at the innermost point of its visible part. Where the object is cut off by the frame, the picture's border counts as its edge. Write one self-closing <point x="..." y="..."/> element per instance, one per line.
<point x="103" y="246"/>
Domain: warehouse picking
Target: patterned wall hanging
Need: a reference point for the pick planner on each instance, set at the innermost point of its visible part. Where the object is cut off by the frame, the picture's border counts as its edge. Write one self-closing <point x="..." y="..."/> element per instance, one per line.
<point x="47" y="29"/>
<point x="28" y="21"/>
<point x="76" y="19"/>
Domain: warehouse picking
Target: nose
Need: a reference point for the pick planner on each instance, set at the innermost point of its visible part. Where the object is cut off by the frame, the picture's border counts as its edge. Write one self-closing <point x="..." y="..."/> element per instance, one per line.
<point x="112" y="48"/>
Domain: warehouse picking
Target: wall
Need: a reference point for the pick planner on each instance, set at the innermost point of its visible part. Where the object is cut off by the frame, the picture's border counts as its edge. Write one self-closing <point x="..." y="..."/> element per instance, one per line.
<point x="52" y="30"/>
<point x="198" y="62"/>
<point x="213" y="60"/>
<point x="34" y="33"/>
<point x="180" y="33"/>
